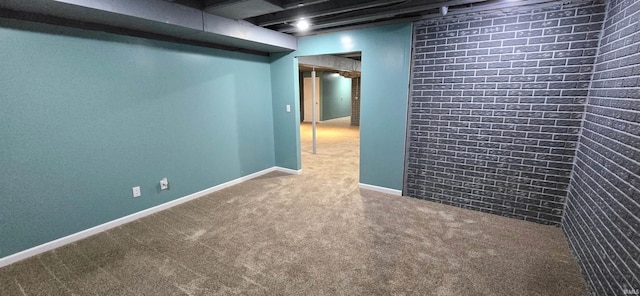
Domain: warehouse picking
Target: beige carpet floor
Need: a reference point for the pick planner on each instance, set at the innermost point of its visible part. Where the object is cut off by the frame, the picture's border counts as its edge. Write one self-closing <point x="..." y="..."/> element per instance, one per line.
<point x="309" y="234"/>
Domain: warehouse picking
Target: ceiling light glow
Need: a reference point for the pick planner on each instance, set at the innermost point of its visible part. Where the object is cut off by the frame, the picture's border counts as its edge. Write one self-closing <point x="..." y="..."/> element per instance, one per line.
<point x="303" y="24"/>
<point x="347" y="42"/>
<point x="444" y="10"/>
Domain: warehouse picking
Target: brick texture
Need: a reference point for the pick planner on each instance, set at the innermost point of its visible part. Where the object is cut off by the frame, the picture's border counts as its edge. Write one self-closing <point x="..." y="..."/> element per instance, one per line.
<point x="602" y="219"/>
<point x="355" y="101"/>
<point x="497" y="101"/>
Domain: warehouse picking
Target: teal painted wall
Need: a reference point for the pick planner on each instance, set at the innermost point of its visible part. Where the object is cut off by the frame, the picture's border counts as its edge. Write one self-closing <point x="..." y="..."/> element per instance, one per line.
<point x="85" y="116"/>
<point x="336" y="96"/>
<point x="286" y="125"/>
<point x="386" y="54"/>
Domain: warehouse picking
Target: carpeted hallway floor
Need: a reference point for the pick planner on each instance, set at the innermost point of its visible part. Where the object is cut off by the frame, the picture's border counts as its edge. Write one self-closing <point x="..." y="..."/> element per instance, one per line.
<point x="310" y="234"/>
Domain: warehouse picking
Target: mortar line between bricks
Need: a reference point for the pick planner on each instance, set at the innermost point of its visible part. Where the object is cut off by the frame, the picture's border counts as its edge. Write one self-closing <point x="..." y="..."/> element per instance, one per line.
<point x="509" y="169"/>
<point x="575" y="241"/>
<point x="612" y="173"/>
<point x="572" y="175"/>
<point x="590" y="254"/>
<point x="609" y="232"/>
<point x="535" y="153"/>
<point x="489" y="176"/>
<point x="623" y="156"/>
<point x="625" y="209"/>
<point x="540" y="192"/>
<point x="623" y="18"/>
<point x="614" y="130"/>
<point x="616" y="99"/>
<point x="615" y="70"/>
<point x="617" y="119"/>
<point x="408" y="131"/>
<point x="618" y="58"/>
<point x="618" y="31"/>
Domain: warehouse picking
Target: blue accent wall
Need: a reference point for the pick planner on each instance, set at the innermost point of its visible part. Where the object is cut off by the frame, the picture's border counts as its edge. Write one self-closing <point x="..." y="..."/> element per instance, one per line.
<point x="386" y="54"/>
<point x="286" y="125"/>
<point x="86" y="116"/>
<point x="336" y="96"/>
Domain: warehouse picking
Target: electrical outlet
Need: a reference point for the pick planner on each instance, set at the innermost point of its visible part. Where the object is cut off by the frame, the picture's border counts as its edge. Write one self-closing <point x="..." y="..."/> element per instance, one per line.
<point x="136" y="191"/>
<point x="164" y="184"/>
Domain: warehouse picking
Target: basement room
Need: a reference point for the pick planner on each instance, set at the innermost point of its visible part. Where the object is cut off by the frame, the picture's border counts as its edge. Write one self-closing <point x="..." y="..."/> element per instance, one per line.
<point x="320" y="147"/>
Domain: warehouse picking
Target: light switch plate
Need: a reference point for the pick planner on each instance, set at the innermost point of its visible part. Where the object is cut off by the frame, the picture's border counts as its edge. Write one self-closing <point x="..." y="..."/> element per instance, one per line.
<point x="164" y="184"/>
<point x="136" y="191"/>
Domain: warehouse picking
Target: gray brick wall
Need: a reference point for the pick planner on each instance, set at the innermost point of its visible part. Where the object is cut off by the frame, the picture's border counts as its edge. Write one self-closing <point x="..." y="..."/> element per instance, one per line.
<point x="355" y="101"/>
<point x="602" y="219"/>
<point x="496" y="105"/>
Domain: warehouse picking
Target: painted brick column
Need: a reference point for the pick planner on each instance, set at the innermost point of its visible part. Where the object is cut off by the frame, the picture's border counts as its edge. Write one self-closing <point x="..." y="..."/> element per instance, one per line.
<point x="355" y="101"/>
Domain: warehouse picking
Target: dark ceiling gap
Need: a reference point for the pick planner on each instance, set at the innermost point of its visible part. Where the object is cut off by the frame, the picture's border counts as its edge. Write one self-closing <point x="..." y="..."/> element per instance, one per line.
<point x="372" y="15"/>
<point x="317" y="11"/>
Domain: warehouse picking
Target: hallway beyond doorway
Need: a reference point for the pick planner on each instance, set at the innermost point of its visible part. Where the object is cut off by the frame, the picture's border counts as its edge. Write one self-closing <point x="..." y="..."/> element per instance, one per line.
<point x="332" y="132"/>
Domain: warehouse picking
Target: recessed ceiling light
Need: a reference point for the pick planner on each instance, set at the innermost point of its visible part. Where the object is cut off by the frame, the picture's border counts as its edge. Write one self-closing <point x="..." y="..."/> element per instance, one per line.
<point x="303" y="24"/>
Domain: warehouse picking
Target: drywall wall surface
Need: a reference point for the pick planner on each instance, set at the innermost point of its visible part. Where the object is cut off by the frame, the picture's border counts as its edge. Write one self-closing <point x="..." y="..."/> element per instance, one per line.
<point x="386" y="54"/>
<point x="286" y="125"/>
<point x="86" y="116"/>
<point x="336" y="96"/>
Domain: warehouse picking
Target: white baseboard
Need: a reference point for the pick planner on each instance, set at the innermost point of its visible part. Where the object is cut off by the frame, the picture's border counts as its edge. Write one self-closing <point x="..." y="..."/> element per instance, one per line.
<point x="289" y="171"/>
<point x="126" y="219"/>
<point x="381" y="189"/>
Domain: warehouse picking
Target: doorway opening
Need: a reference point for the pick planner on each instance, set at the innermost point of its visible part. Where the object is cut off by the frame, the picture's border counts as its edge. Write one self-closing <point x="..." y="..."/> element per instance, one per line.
<point x="330" y="105"/>
<point x="306" y="97"/>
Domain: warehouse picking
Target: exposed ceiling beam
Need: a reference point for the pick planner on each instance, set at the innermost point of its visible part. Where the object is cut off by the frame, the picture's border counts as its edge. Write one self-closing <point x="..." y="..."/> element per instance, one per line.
<point x="301" y="3"/>
<point x="331" y="62"/>
<point x="359" y="26"/>
<point x="322" y="9"/>
<point x="452" y="12"/>
<point x="488" y="6"/>
<point x="382" y="13"/>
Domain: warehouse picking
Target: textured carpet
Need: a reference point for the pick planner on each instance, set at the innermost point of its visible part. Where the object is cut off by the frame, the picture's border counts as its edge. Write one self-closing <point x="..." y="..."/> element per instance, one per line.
<point x="311" y="234"/>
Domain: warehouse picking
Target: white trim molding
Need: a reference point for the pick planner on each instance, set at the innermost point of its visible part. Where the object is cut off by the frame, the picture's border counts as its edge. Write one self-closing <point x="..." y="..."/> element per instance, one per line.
<point x="129" y="218"/>
<point x="289" y="171"/>
<point x="380" y="189"/>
